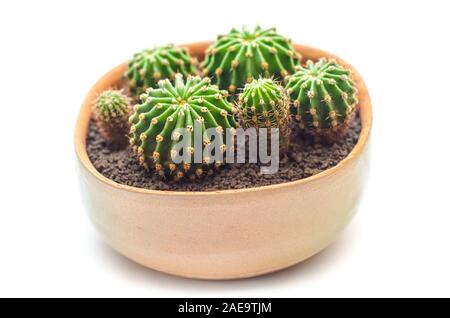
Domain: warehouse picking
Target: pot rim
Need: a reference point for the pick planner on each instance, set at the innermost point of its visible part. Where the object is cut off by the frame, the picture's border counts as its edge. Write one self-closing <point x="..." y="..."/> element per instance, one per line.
<point x="365" y="108"/>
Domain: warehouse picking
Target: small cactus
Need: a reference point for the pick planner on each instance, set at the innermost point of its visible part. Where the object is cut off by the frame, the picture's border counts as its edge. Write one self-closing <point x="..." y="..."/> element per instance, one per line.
<point x="157" y="121"/>
<point x="149" y="66"/>
<point x="111" y="111"/>
<point x="264" y="104"/>
<point x="324" y="97"/>
<point x="239" y="57"/>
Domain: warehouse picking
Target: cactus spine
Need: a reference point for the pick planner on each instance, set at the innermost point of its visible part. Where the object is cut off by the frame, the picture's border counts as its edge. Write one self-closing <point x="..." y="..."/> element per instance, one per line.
<point x="324" y="97"/>
<point x="239" y="57"/>
<point x="264" y="104"/>
<point x="166" y="111"/>
<point x="111" y="111"/>
<point x="149" y="66"/>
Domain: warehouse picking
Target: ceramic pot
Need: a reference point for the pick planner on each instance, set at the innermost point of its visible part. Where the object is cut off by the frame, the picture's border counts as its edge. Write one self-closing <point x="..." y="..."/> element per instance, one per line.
<point x="224" y="234"/>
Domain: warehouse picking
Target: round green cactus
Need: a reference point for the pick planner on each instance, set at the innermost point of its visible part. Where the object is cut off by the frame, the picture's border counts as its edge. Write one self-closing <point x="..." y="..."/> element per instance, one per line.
<point x="324" y="96"/>
<point x="240" y="56"/>
<point x="149" y="66"/>
<point x="111" y="111"/>
<point x="264" y="104"/>
<point x="166" y="112"/>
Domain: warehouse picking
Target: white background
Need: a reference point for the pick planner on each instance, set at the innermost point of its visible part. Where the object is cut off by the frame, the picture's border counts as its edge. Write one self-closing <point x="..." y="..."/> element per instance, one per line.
<point x="51" y="52"/>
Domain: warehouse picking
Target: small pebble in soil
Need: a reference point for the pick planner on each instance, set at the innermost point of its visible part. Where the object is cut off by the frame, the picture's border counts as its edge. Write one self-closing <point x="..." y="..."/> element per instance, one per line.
<point x="307" y="156"/>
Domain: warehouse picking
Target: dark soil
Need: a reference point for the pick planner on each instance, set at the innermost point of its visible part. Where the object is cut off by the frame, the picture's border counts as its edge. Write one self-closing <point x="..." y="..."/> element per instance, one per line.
<point x="306" y="157"/>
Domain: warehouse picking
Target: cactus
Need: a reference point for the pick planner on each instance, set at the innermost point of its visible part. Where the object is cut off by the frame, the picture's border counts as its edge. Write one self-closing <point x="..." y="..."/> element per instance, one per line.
<point x="324" y="97"/>
<point x="111" y="111"/>
<point x="165" y="111"/>
<point x="239" y="57"/>
<point x="149" y="66"/>
<point x="264" y="104"/>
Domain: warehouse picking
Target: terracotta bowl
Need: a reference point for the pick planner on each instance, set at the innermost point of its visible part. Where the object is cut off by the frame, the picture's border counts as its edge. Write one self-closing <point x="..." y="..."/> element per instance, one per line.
<point x="224" y="234"/>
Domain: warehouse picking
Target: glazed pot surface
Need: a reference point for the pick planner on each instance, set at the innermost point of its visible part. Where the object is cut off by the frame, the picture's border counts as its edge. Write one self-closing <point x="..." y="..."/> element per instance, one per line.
<point x="224" y="234"/>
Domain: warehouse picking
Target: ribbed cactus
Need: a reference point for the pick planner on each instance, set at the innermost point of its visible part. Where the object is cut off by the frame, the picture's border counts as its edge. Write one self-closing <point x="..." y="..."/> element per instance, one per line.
<point x="165" y="111"/>
<point x="264" y="104"/>
<point x="111" y="111"/>
<point x="324" y="96"/>
<point x="240" y="56"/>
<point x="149" y="66"/>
